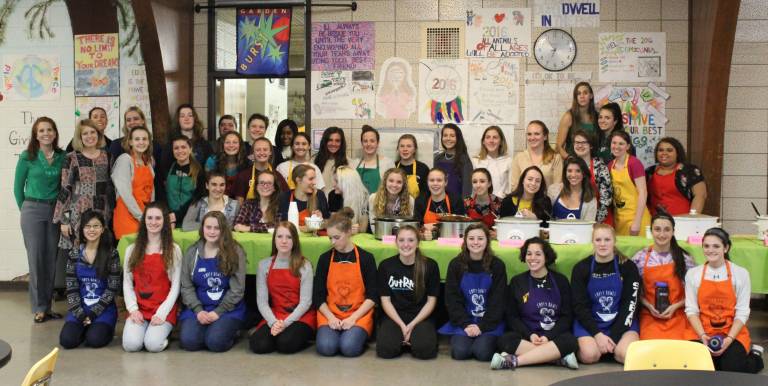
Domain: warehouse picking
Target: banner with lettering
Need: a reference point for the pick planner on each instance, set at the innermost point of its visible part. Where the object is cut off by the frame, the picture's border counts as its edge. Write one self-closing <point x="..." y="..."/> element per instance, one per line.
<point x="566" y="13"/>
<point x="498" y="32"/>
<point x="263" y="41"/>
<point x="632" y="56"/>
<point x="343" y="46"/>
<point x="97" y="65"/>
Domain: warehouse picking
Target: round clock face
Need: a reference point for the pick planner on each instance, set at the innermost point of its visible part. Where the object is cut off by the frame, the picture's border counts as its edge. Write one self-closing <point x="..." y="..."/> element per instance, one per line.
<point x="555" y="50"/>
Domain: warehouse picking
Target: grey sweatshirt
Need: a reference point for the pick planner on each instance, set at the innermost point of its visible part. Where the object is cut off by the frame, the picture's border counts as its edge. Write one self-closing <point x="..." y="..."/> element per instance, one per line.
<point x="236" y="282"/>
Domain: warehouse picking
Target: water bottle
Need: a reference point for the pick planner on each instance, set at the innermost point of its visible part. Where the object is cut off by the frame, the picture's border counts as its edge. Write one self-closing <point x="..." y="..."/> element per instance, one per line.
<point x="293" y="214"/>
<point x="715" y="343"/>
<point x="662" y="296"/>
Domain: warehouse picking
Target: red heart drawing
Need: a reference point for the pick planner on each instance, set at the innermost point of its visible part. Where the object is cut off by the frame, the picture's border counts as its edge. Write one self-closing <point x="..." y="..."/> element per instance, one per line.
<point x="499" y="17"/>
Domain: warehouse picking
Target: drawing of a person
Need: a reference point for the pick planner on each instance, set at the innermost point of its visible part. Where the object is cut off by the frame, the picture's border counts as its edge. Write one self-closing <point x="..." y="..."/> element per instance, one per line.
<point x="396" y="95"/>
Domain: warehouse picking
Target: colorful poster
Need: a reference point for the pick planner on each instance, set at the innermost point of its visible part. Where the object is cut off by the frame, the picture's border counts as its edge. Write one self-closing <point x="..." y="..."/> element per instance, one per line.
<point x="343" y="46"/>
<point x="498" y="32"/>
<point x="263" y="40"/>
<point x="494" y="87"/>
<point x="134" y="90"/>
<point x="97" y="65"/>
<point x="342" y="95"/>
<point x="633" y="56"/>
<point x="566" y="13"/>
<point x="547" y="101"/>
<point x="111" y="104"/>
<point x="643" y="111"/>
<point x="396" y="94"/>
<point x="442" y="90"/>
<point x="31" y="77"/>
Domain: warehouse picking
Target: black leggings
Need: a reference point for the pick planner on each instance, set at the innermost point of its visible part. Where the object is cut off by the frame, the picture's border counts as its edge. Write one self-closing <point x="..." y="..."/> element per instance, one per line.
<point x="566" y="343"/>
<point x="94" y="335"/>
<point x="294" y="338"/>
<point x="736" y="358"/>
<point x="389" y="340"/>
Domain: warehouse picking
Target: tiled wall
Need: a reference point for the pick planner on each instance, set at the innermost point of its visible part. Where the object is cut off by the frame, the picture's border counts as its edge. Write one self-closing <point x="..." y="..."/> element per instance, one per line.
<point x="745" y="164"/>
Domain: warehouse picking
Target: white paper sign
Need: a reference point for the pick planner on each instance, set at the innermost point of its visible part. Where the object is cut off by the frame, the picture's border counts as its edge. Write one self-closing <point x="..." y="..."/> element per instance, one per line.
<point x="31" y="77"/>
<point x="566" y="13"/>
<point x="498" y="32"/>
<point x="342" y="94"/>
<point x="632" y="56"/>
<point x="111" y="104"/>
<point x="494" y="88"/>
<point x="442" y="90"/>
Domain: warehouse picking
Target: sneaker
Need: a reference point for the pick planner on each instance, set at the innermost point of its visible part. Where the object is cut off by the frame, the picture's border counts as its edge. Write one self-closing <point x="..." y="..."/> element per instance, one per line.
<point x="165" y="345"/>
<point x="503" y="361"/>
<point x="569" y="361"/>
<point x="757" y="350"/>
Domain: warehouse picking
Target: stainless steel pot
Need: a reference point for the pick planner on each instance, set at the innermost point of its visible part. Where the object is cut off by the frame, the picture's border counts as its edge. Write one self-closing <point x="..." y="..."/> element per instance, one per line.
<point x="385" y="226"/>
<point x="454" y="226"/>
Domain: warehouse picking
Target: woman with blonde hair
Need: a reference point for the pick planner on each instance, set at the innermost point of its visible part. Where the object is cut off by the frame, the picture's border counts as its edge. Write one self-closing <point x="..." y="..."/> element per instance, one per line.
<point x="538" y="153"/>
<point x="494" y="157"/>
<point x="133" y="175"/>
<point x="392" y="198"/>
<point x="349" y="191"/>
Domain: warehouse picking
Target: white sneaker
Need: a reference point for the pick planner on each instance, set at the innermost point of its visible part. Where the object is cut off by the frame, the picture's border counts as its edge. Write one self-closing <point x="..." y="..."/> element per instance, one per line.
<point x="165" y="345"/>
<point x="503" y="361"/>
<point x="757" y="350"/>
<point x="569" y="361"/>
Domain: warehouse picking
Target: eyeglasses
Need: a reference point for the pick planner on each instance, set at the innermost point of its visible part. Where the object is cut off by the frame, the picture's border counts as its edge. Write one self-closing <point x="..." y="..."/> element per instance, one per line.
<point x="265" y="184"/>
<point x="94" y="227"/>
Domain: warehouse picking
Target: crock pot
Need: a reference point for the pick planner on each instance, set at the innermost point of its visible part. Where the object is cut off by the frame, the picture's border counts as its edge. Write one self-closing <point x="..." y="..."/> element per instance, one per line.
<point x="453" y="226"/>
<point x="517" y="228"/>
<point x="570" y="231"/>
<point x="385" y="226"/>
<point x="693" y="224"/>
<point x="762" y="226"/>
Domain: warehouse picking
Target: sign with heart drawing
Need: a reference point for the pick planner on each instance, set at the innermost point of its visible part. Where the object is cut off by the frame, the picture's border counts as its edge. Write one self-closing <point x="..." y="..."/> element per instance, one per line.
<point x="498" y="32"/>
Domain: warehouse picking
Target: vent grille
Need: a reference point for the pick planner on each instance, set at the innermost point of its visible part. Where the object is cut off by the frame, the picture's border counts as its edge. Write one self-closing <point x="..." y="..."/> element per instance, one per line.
<point x="442" y="40"/>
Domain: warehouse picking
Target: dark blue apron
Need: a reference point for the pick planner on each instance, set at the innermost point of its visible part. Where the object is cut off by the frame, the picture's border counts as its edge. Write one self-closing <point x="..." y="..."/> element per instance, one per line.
<point x="560" y="212"/>
<point x="476" y="289"/>
<point x="92" y="288"/>
<point x="541" y="309"/>
<point x="605" y="296"/>
<point x="211" y="285"/>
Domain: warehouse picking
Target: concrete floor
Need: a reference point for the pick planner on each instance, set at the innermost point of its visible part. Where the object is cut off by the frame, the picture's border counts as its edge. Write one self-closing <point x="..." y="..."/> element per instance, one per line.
<point x="112" y="366"/>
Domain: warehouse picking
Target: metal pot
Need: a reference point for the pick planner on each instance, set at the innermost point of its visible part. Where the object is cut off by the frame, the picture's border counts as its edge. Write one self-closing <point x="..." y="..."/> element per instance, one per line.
<point x="453" y="226"/>
<point x="570" y="231"/>
<point x="693" y="224"/>
<point x="762" y="227"/>
<point x="516" y="228"/>
<point x="385" y="226"/>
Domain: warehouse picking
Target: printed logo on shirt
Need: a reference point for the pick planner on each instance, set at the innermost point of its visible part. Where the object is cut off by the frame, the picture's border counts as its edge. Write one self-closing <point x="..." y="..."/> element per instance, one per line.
<point x="202" y="269"/>
<point x="403" y="284"/>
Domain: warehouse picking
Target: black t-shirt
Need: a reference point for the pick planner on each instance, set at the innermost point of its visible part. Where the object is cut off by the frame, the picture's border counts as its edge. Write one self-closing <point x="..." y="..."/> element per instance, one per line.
<point x="335" y="201"/>
<point x="396" y="281"/>
<point x="367" y="271"/>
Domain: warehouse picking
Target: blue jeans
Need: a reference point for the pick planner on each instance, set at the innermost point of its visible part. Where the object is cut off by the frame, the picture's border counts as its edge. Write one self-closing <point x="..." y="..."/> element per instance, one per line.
<point x="481" y="347"/>
<point x="351" y="343"/>
<point x="218" y="336"/>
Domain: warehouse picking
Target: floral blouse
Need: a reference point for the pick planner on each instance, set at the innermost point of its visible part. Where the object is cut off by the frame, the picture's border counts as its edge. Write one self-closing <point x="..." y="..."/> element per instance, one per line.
<point x="604" y="188"/>
<point x="250" y="214"/>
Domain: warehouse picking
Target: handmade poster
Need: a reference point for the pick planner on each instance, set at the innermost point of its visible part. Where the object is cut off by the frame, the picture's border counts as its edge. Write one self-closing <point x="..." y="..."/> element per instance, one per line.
<point x="97" y="65"/>
<point x="547" y="101"/>
<point x="263" y="40"/>
<point x="134" y="90"/>
<point x="566" y="13"/>
<point x="632" y="56"/>
<point x="343" y="46"/>
<point x="396" y="93"/>
<point x="494" y="87"/>
<point x="643" y="113"/>
<point x="498" y="32"/>
<point x="111" y="104"/>
<point x="31" y="77"/>
<point x="342" y="95"/>
<point x="572" y="76"/>
<point x="442" y="90"/>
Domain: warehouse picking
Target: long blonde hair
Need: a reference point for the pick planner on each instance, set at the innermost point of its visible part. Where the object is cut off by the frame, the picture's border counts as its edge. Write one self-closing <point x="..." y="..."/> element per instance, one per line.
<point x="126" y="131"/>
<point x="382" y="195"/>
<point x="298" y="174"/>
<point x="353" y="191"/>
<point x="549" y="152"/>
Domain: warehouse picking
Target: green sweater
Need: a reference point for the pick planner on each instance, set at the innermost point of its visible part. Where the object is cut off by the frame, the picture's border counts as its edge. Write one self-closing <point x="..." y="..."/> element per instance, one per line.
<point x="36" y="178"/>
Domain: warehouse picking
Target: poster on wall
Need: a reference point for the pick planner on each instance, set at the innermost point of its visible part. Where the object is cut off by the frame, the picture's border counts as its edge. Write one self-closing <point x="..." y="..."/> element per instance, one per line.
<point x="342" y="95"/>
<point x="31" y="77"/>
<point x="442" y="90"/>
<point x="643" y="111"/>
<point x="632" y="57"/>
<point x="263" y="40"/>
<point x="343" y="46"/>
<point x="566" y="13"/>
<point x="498" y="32"/>
<point x="396" y="93"/>
<point x="494" y="87"/>
<point x="547" y="102"/>
<point x="97" y="65"/>
<point x="134" y="90"/>
<point x="111" y="104"/>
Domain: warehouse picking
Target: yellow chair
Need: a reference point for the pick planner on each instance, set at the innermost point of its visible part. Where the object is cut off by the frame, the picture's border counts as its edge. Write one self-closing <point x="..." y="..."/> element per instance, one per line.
<point x="41" y="373"/>
<point x="666" y="354"/>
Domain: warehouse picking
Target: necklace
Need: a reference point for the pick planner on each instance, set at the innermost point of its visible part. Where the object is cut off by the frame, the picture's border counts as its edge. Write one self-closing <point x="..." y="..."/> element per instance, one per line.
<point x="449" y="156"/>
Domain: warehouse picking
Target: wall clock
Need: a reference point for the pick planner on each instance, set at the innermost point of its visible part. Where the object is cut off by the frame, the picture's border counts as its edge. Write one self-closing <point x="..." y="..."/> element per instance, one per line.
<point x="555" y="50"/>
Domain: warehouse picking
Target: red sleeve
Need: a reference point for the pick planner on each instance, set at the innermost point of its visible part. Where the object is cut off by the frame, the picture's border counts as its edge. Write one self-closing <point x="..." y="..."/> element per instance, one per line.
<point x="635" y="167"/>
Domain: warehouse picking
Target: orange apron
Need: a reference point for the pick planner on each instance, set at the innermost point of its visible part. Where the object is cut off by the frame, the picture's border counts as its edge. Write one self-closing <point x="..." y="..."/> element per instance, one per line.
<point x="346" y="293"/>
<point x="432" y="217"/>
<point x="717" y="307"/>
<point x="302" y="214"/>
<point x="142" y="186"/>
<point x="412" y="180"/>
<point x="676" y="327"/>
<point x="625" y="200"/>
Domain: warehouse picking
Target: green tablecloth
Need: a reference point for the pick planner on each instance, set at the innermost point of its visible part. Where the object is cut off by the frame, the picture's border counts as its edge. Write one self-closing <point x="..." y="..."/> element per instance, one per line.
<point x="747" y="252"/>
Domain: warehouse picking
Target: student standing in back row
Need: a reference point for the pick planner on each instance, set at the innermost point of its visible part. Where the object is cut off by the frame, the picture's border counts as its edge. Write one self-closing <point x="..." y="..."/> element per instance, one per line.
<point x="454" y="161"/>
<point x="133" y="176"/>
<point x="415" y="170"/>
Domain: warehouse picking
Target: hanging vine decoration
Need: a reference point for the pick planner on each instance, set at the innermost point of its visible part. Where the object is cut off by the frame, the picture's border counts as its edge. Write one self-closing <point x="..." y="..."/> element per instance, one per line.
<point x="5" y="12"/>
<point x="126" y="21"/>
<point x="38" y="19"/>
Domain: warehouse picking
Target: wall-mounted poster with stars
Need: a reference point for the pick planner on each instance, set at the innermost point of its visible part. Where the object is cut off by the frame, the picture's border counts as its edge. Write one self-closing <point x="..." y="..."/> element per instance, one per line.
<point x="263" y="39"/>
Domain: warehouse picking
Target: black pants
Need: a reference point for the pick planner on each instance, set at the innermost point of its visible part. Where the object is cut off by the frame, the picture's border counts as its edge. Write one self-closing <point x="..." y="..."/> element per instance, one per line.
<point x="293" y="339"/>
<point x="94" y="335"/>
<point x="389" y="340"/>
<point x="480" y="347"/>
<point x="736" y="358"/>
<point x="566" y="343"/>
